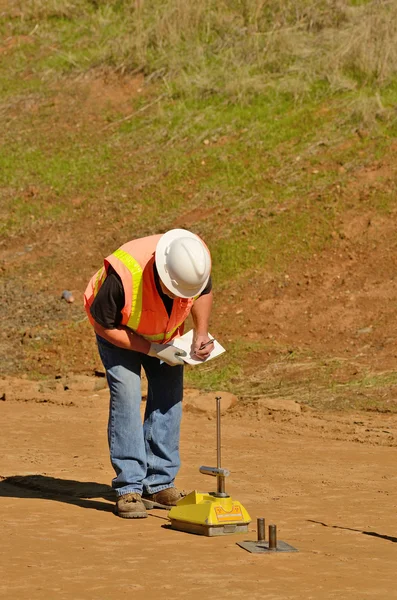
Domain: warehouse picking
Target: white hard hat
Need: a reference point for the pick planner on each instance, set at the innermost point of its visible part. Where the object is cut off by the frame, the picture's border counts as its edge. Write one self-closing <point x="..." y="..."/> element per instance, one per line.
<point x="183" y="262"/>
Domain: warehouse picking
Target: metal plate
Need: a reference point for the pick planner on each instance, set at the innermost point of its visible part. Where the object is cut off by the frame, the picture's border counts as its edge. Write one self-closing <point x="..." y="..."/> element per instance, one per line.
<point x="263" y="547"/>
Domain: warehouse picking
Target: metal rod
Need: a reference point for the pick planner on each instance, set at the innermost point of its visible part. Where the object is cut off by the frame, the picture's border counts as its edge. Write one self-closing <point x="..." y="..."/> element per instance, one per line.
<point x="221" y="485"/>
<point x="218" y="431"/>
<point x="261" y="529"/>
<point x="272" y="537"/>
<point x="221" y="488"/>
<point x="214" y="471"/>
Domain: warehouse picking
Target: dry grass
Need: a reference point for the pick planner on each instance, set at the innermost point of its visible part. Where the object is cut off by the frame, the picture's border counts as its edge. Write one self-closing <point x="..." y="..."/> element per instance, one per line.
<point x="236" y="48"/>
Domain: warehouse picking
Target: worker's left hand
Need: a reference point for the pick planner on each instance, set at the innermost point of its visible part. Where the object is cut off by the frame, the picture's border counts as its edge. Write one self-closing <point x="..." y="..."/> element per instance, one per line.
<point x="198" y="341"/>
<point x="167" y="353"/>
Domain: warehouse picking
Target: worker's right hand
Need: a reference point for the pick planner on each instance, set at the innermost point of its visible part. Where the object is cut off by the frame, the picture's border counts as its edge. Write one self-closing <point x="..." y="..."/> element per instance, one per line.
<point x="166" y="353"/>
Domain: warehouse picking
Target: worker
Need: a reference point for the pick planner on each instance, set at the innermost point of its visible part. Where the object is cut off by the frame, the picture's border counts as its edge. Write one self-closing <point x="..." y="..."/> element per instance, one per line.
<point x="137" y="303"/>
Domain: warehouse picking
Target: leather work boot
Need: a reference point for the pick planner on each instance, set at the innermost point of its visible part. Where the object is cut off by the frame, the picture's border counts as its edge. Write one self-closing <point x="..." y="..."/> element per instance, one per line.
<point x="164" y="499"/>
<point x="130" y="506"/>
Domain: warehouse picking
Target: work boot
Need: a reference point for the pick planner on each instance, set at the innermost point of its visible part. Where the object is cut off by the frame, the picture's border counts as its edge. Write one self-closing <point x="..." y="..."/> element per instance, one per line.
<point x="130" y="506"/>
<point x="165" y="499"/>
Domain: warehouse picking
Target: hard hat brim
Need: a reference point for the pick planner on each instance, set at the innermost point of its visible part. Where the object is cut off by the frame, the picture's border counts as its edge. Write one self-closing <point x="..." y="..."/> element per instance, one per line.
<point x="160" y="258"/>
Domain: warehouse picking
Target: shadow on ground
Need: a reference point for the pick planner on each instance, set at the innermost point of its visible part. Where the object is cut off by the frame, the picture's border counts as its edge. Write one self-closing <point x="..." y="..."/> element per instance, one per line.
<point x="79" y="493"/>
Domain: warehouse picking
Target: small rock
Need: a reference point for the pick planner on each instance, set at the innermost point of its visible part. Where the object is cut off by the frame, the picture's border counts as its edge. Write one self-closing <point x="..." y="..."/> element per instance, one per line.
<point x="99" y="372"/>
<point x="68" y="296"/>
<point x="364" y="330"/>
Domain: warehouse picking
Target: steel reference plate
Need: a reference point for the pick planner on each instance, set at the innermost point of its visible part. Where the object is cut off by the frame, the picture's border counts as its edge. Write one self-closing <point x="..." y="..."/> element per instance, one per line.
<point x="263" y="547"/>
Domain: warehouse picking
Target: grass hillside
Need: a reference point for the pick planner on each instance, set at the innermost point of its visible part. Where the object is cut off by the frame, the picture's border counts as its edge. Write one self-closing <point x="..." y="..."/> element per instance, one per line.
<point x="269" y="128"/>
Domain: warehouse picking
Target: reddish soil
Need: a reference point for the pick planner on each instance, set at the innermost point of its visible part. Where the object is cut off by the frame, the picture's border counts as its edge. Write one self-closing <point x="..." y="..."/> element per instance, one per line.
<point x="328" y="482"/>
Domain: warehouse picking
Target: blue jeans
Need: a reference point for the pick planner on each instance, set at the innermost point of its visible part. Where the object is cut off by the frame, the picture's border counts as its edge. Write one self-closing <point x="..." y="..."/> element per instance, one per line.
<point x="144" y="456"/>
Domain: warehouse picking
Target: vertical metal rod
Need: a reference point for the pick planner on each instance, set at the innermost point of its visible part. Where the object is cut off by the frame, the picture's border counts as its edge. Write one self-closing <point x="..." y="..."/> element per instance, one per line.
<point x="221" y="488"/>
<point x="272" y="537"/>
<point x="218" y="432"/>
<point x="261" y="529"/>
<point x="220" y="480"/>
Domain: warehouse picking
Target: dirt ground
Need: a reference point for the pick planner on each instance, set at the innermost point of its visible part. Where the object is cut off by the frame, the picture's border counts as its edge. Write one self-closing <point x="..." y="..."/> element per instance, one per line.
<point x="327" y="481"/>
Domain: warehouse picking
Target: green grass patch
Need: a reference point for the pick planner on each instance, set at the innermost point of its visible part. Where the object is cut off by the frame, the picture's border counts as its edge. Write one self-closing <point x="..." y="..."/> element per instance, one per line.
<point x="48" y="179"/>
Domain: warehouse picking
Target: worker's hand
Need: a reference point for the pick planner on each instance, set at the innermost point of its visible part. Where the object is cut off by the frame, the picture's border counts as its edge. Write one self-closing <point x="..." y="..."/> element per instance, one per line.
<point x="198" y="341"/>
<point x="166" y="353"/>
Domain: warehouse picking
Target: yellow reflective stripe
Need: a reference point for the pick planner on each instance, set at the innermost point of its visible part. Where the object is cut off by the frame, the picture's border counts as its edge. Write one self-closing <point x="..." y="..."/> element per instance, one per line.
<point x="99" y="278"/>
<point x="172" y="331"/>
<point x="160" y="336"/>
<point x="153" y="338"/>
<point x="136" y="273"/>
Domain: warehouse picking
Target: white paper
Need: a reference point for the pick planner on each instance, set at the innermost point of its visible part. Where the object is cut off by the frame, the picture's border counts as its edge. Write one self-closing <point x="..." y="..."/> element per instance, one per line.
<point x="185" y="343"/>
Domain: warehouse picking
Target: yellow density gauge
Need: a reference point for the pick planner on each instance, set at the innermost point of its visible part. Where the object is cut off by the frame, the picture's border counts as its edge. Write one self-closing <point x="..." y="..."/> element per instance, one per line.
<point x="211" y="513"/>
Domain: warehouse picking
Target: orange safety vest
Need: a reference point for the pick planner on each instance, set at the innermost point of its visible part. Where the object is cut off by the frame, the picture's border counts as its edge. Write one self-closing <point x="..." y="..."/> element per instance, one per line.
<point x="144" y="311"/>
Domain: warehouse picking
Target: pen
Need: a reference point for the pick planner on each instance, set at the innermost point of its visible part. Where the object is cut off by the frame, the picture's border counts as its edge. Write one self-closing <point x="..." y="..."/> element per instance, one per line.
<point x="206" y="344"/>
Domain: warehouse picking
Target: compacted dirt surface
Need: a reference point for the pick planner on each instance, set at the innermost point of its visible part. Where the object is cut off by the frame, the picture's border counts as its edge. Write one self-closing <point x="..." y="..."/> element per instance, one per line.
<point x="328" y="482"/>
